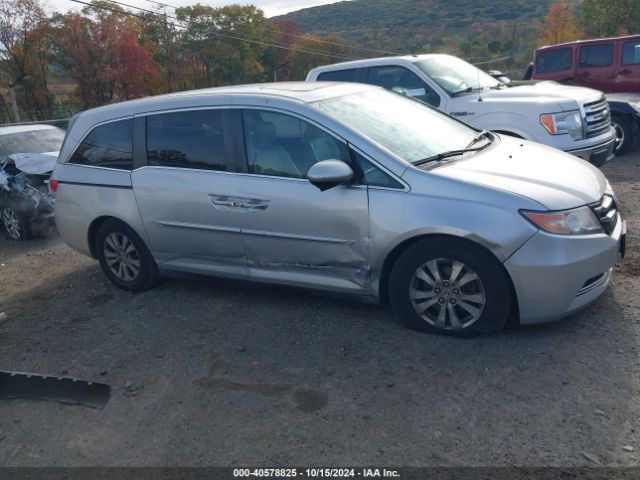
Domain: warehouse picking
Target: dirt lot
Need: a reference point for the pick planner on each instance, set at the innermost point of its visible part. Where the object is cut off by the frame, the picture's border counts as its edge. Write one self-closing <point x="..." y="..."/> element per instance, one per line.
<point x="217" y="373"/>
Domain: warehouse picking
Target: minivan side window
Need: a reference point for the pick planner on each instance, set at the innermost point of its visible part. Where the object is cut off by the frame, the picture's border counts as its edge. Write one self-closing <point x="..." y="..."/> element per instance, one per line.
<point x="191" y="139"/>
<point x="553" y="60"/>
<point x="401" y="80"/>
<point x="600" y="55"/>
<point x="282" y="145"/>
<point x="108" y="145"/>
<point x="348" y="75"/>
<point x="631" y="53"/>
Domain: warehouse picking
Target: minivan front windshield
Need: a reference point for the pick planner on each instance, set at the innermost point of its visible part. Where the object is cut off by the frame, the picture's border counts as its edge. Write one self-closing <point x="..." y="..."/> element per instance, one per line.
<point x="407" y="128"/>
<point x="456" y="76"/>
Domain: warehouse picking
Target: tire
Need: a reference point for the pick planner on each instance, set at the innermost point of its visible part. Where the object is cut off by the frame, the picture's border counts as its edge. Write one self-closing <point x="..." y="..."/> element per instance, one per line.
<point x="624" y="135"/>
<point x="482" y="304"/>
<point x="14" y="223"/>
<point x="124" y="257"/>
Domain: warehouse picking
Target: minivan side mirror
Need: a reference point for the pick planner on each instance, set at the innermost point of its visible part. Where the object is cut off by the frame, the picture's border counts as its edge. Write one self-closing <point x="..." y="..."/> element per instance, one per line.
<point x="329" y="173"/>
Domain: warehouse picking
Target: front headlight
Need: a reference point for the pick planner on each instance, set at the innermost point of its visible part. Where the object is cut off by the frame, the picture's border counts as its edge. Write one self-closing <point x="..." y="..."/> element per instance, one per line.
<point x="578" y="221"/>
<point x="563" y="123"/>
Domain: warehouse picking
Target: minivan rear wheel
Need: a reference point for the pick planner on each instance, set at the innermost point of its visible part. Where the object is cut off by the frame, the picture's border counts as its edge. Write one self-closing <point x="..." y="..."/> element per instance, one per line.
<point x="124" y="257"/>
<point x="449" y="286"/>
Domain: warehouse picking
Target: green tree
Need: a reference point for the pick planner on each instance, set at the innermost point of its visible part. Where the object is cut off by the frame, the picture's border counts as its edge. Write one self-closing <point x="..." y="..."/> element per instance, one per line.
<point x="603" y="18"/>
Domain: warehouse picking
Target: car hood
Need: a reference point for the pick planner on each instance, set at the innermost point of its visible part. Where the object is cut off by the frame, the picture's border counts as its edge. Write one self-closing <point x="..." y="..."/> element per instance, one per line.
<point x="624" y="97"/>
<point x="548" y="176"/>
<point x="35" y="163"/>
<point x="544" y="92"/>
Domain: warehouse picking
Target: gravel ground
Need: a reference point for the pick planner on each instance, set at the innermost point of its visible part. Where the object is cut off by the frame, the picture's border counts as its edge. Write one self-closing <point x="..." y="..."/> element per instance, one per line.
<point x="218" y="373"/>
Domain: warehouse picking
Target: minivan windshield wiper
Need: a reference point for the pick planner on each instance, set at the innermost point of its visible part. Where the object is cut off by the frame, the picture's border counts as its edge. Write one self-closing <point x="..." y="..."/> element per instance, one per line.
<point x="450" y="153"/>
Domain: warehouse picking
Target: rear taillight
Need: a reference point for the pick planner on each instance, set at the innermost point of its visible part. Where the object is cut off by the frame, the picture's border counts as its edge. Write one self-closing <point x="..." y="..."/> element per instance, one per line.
<point x="53" y="185"/>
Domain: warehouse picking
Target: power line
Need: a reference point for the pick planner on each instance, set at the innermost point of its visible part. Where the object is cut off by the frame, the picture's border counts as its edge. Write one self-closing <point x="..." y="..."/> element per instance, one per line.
<point x="233" y="37"/>
<point x="291" y="35"/>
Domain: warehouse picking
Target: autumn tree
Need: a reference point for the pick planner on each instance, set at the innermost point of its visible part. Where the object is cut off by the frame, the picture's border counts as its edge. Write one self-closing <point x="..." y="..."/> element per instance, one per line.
<point x="605" y="18"/>
<point x="559" y="24"/>
<point x="103" y="51"/>
<point x="224" y="44"/>
<point x="24" y="55"/>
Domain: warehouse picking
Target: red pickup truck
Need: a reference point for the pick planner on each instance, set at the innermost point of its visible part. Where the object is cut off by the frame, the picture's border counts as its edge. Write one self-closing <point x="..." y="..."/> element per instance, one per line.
<point x="606" y="64"/>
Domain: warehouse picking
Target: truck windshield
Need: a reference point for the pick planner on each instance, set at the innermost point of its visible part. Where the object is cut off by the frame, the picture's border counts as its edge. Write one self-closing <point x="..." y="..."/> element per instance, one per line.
<point x="456" y="76"/>
<point x="407" y="128"/>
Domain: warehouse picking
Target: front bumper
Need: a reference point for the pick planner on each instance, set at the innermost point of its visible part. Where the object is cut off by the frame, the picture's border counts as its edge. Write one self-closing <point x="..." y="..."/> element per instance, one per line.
<point x="555" y="275"/>
<point x="598" y="154"/>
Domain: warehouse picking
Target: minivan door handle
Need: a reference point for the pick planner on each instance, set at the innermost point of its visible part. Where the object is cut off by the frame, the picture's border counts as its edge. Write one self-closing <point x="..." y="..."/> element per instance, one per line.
<point x="247" y="204"/>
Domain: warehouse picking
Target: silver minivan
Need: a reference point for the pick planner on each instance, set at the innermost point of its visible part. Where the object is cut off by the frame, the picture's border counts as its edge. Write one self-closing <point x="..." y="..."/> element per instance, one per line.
<point x="341" y="187"/>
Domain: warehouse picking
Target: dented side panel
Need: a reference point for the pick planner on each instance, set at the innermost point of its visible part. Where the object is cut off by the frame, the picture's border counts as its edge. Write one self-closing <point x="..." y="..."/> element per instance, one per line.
<point x="305" y="237"/>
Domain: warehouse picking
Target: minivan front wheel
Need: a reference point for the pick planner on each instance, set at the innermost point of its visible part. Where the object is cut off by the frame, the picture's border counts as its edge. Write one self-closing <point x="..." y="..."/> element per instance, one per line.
<point x="449" y="286"/>
<point x="124" y="257"/>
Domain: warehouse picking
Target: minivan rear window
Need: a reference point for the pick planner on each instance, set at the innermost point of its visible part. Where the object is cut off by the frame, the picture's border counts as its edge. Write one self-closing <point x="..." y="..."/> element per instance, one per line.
<point x="108" y="145"/>
<point x="192" y="139"/>
<point x="553" y="60"/>
<point x="600" y="55"/>
<point x="348" y="75"/>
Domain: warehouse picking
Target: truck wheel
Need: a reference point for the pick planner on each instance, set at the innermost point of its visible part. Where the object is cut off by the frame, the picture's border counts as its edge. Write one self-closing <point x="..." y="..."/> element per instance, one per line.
<point x="624" y="134"/>
<point x="124" y="257"/>
<point x="15" y="224"/>
<point x="449" y="286"/>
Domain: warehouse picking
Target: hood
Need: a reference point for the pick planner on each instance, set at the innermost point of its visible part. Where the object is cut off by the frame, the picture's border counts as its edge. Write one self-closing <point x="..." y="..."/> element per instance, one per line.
<point x="624" y="97"/>
<point x="565" y="96"/>
<point x="35" y="163"/>
<point x="555" y="179"/>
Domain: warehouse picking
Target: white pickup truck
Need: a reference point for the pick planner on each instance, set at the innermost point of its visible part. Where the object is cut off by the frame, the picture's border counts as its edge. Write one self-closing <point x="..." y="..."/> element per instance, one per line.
<point x="574" y="119"/>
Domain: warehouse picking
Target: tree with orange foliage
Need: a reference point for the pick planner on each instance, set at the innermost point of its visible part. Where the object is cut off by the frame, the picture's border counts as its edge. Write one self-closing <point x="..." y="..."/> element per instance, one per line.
<point x="560" y="24"/>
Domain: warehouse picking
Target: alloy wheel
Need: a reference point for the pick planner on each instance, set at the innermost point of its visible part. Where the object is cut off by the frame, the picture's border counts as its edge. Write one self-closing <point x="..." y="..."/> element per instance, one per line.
<point x="620" y="137"/>
<point x="121" y="256"/>
<point x="447" y="294"/>
<point x="11" y="223"/>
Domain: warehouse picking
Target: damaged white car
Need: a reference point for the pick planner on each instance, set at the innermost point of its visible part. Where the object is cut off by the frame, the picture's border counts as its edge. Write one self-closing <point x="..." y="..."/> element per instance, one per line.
<point x="28" y="155"/>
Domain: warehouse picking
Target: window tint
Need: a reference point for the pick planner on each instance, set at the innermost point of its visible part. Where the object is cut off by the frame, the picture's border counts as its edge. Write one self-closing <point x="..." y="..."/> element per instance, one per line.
<point x="370" y="174"/>
<point x="107" y="145"/>
<point x="286" y="146"/>
<point x="403" y="81"/>
<point x="553" y="61"/>
<point x="339" y="76"/>
<point x="186" y="139"/>
<point x="631" y="53"/>
<point x="596" y="55"/>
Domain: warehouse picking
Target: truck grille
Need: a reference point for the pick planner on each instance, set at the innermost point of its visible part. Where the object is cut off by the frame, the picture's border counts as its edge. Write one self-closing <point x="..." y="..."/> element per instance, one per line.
<point x="597" y="117"/>
<point x="607" y="212"/>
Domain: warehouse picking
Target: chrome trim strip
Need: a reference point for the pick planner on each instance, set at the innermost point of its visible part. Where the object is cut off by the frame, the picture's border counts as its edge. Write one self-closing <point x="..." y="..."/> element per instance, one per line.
<point x="293" y="236"/>
<point x="257" y="233"/>
<point x="198" y="226"/>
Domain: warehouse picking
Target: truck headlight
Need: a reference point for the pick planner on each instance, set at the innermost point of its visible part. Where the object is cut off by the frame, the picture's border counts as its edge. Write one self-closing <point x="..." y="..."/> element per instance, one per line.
<point x="578" y="221"/>
<point x="563" y="123"/>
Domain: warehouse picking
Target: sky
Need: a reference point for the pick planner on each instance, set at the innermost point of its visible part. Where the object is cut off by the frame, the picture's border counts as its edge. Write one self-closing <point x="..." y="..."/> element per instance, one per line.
<point x="270" y="7"/>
